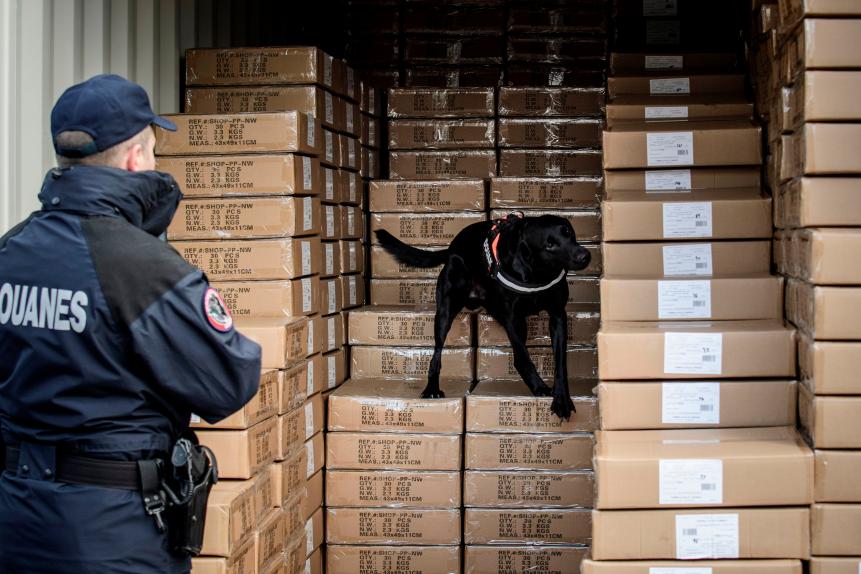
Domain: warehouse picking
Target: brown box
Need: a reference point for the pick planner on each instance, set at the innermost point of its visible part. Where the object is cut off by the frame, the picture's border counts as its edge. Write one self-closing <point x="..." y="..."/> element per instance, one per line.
<point x="243" y="175"/>
<point x="792" y="11"/>
<point x="389" y="325"/>
<point x="586" y="222"/>
<point x="299" y="65"/>
<point x="528" y="489"/>
<point x="583" y="290"/>
<point x="527" y="526"/>
<point x="241" y="453"/>
<point x="500" y="559"/>
<point x="272" y="259"/>
<point x="283" y="132"/>
<point x="703" y="468"/>
<point x="818" y="202"/>
<point x="284" y="342"/>
<point x="830" y="368"/>
<point x="315" y="453"/>
<point x="690" y="404"/>
<point x="271" y="298"/>
<point x="441" y="134"/>
<point x="331" y="155"/>
<point x="826" y="43"/>
<point x="836" y="529"/>
<point x="713" y="567"/>
<point x="713" y="214"/>
<point x="436" y="103"/>
<point x="270" y="538"/>
<point x="241" y="562"/>
<point x="352" y="222"/>
<point x="311" y="506"/>
<point x="548" y="163"/>
<point x="541" y="102"/>
<point x="661" y="108"/>
<point x="263" y="404"/>
<point x="403" y="292"/>
<point x="822" y="149"/>
<point x="351" y="155"/>
<point x="834" y="565"/>
<point x="352" y="188"/>
<point x="336" y="368"/>
<point x="389" y="559"/>
<point x="387" y="451"/>
<point x="824" y="96"/>
<point x="315" y="534"/>
<point x="294" y="383"/>
<point x="424" y="228"/>
<point x="352" y="290"/>
<point x="332" y="295"/>
<point x="331" y="184"/>
<point x="682" y="144"/>
<point x="687" y="85"/>
<point x="548" y="451"/>
<point x="836" y="476"/>
<point x="830" y="421"/>
<point x="331" y="265"/>
<point x="508" y="406"/>
<point x="245" y="218"/>
<point x="707" y="349"/>
<point x="686" y="259"/>
<point x="334" y="332"/>
<point x="370" y="131"/>
<point x="266" y="491"/>
<point x="231" y="518"/>
<point x="376" y="488"/>
<point x="717" y="298"/>
<point x="385" y="266"/>
<point x="370" y="164"/>
<point x="543" y="193"/>
<point x="825" y="256"/>
<point x="824" y="313"/>
<point x="682" y="179"/>
<point x="701" y="534"/>
<point x="656" y="63"/>
<point x="392" y="406"/>
<point x="330" y="227"/>
<point x="551" y="133"/>
<point x="410" y="363"/>
<point x="469" y="164"/>
<point x="583" y="322"/>
<point x="392" y="526"/>
<point x="497" y="364"/>
<point x="422" y="196"/>
<point x="289" y="478"/>
<point x="291" y="433"/>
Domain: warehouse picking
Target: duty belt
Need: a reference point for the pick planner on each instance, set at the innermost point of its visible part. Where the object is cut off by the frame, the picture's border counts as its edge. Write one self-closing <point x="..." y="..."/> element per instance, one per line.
<point x="75" y="469"/>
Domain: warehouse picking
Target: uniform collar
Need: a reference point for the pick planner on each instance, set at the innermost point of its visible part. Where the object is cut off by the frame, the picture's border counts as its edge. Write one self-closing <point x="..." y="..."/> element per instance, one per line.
<point x="146" y="199"/>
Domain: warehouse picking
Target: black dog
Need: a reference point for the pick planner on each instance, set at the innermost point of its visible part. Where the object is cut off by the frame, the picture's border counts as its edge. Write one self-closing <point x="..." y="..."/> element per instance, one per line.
<point x="513" y="267"/>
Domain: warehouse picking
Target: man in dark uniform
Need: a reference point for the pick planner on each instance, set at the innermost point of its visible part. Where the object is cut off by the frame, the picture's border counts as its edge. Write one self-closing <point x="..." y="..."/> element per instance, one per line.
<point x="109" y="340"/>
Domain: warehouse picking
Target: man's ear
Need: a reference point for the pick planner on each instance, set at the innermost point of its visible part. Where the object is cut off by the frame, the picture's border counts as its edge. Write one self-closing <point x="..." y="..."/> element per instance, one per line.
<point x="134" y="158"/>
<point x="522" y="260"/>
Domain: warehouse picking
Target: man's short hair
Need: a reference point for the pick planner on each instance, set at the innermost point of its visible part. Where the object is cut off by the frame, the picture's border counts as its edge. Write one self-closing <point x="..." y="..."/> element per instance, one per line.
<point x="109" y="157"/>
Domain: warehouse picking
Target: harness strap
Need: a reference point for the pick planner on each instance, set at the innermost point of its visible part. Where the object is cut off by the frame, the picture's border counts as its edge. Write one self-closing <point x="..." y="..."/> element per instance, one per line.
<point x="491" y="244"/>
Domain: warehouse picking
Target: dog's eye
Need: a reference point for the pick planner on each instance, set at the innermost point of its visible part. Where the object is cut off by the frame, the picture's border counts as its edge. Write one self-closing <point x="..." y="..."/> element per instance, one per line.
<point x="550" y="245"/>
<point x="566" y="231"/>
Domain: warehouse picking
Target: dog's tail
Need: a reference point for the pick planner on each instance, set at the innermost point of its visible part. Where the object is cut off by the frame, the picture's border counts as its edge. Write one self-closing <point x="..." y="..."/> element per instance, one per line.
<point x="409" y="255"/>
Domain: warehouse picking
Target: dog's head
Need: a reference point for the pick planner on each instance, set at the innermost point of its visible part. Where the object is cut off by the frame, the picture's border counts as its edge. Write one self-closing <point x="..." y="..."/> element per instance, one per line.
<point x="552" y="243"/>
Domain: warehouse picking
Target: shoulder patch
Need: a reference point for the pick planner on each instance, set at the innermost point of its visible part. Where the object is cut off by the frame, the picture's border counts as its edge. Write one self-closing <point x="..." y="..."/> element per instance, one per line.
<point x="216" y="311"/>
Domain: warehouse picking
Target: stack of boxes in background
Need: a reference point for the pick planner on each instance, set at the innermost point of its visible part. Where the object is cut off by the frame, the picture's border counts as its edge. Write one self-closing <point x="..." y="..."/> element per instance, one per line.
<point x="373" y="42"/>
<point x="687" y="297"/>
<point x="808" y="95"/>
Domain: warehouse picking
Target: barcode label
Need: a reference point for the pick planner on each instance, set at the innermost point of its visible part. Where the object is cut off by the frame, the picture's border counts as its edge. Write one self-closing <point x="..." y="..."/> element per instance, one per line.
<point x="684" y="299"/>
<point x="312" y="130"/>
<point x="664" y="62"/>
<point x="668" y="179"/>
<point x="195" y="419"/>
<point x="687" y="219"/>
<point x="306" y="258"/>
<point x="306" y="295"/>
<point x="330" y="108"/>
<point x="694" y="259"/>
<point x="690" y="481"/>
<point x="669" y="148"/>
<point x="708" y="487"/>
<point x="333" y="299"/>
<point x="693" y="353"/>
<point x="311" y="346"/>
<point x="330" y="222"/>
<point x="332" y="375"/>
<point x="330" y="259"/>
<point x="701" y="223"/>
<point x="309" y="451"/>
<point x="690" y="532"/>
<point x="309" y="381"/>
<point x="663" y="32"/>
<point x="309" y="420"/>
<point x="709" y="358"/>
<point x="666" y="112"/>
<point x="707" y="536"/>
<point x="331" y="333"/>
<point x="707" y="408"/>
<point x="307" y="178"/>
<point x="307" y="213"/>
<point x="665" y="86"/>
<point x="330" y="146"/>
<point x="690" y="403"/>
<point x="660" y="8"/>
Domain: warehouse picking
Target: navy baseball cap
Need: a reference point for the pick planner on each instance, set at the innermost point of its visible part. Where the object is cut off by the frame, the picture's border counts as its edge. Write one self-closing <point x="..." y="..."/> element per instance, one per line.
<point x="108" y="108"/>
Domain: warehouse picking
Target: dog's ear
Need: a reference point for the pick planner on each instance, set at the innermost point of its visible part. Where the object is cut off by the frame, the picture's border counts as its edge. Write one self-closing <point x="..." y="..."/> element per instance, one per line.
<point x="522" y="260"/>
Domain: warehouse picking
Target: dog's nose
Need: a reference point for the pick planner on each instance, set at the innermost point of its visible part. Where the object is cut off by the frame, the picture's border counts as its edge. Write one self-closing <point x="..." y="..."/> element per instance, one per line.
<point x="583" y="257"/>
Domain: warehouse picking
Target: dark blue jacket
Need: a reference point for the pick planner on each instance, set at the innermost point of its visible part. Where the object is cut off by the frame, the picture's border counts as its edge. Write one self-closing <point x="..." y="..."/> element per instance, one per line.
<point x="105" y="349"/>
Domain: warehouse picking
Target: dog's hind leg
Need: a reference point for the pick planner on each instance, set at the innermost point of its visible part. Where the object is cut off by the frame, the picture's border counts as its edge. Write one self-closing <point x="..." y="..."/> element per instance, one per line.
<point x="452" y="290"/>
<point x="562" y="404"/>
<point x="515" y="327"/>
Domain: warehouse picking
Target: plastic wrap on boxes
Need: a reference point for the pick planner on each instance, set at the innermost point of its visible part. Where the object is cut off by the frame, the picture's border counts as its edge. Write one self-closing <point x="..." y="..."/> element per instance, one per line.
<point x="441" y="134"/>
<point x="550" y="133"/>
<point x="389" y="325"/>
<point x="385" y="266"/>
<point x="387" y="559"/>
<point x="480" y="559"/>
<point x="242" y="453"/>
<point x="547" y="101"/>
<point x="528" y="489"/>
<point x="432" y="103"/>
<point x="453" y="19"/>
<point x="556" y="17"/>
<point x="270" y="259"/>
<point x="262" y="405"/>
<point x="245" y="218"/>
<point x="433" y="76"/>
<point x="231" y="518"/>
<point x="426" y="196"/>
<point x="546" y="193"/>
<point x="587" y="51"/>
<point x="554" y="75"/>
<point x="269" y="65"/>
<point x="497" y="364"/>
<point x="586" y="223"/>
<point x="549" y="163"/>
<point x="284" y="341"/>
<point x="393" y="526"/>
<point x="393" y="488"/>
<point x="583" y="323"/>
<point x="240" y="562"/>
<point x="522" y="451"/>
<point x="527" y="526"/>
<point x="410" y="363"/>
<point x="386" y="451"/>
<point x="481" y="50"/>
<point x="583" y="290"/>
<point x="424" y="228"/>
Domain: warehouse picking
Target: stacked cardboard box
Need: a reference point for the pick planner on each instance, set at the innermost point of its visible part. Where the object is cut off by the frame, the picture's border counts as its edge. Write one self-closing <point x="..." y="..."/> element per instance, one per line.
<point x="393" y="481"/>
<point x="528" y="484"/>
<point x="373" y="42"/>
<point x="806" y="92"/>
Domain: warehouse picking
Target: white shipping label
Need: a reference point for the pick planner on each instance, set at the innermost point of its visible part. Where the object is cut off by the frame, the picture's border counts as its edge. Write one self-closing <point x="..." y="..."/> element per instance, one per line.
<point x="371" y="95"/>
<point x="331" y="374"/>
<point x="660" y="86"/>
<point x="351" y="151"/>
<point x="351" y="221"/>
<point x="309" y="379"/>
<point x="307" y="181"/>
<point x="669" y="148"/>
<point x="660" y="8"/>
<point x="693" y="353"/>
<point x="307" y="213"/>
<point x="311" y="348"/>
<point x="680" y="571"/>
<point x="353" y="194"/>
<point x="330" y="221"/>
<point x="330" y="108"/>
<point x="330" y="146"/>
<point x="372" y="132"/>
<point x="309" y="451"/>
<point x="330" y="285"/>
<point x="327" y="70"/>
<point x="351" y="281"/>
<point x="350" y="112"/>
<point x="668" y="179"/>
<point x="331" y="332"/>
<point x="859" y="568"/>
<point x="306" y="258"/>
<point x="308" y="566"/>
<point x="312" y="131"/>
<point x="688" y="259"/>
<point x="684" y="299"/>
<point x="662" y="32"/>
<point x="309" y="420"/>
<point x="310" y="543"/>
<point x="351" y="254"/>
<point x="330" y="259"/>
<point x="194" y="418"/>
<point x="692" y="219"/>
<point x="666" y="112"/>
<point x="665" y="62"/>
<point x="690" y="481"/>
<point x="690" y="403"/>
<point x="330" y="184"/>
<point x="306" y="295"/>
<point x="706" y="536"/>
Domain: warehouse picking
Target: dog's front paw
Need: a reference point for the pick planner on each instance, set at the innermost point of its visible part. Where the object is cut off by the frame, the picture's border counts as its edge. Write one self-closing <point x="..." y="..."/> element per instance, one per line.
<point x="433" y="394"/>
<point x="562" y="407"/>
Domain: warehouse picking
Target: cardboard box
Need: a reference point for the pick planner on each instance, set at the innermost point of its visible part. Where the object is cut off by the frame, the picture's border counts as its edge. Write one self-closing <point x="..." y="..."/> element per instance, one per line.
<point x="332" y="295"/>
<point x="299" y="65"/>
<point x="497" y="364"/>
<point x="565" y="51"/>
<point x="388" y="451"/>
<point x="293" y="385"/>
<point x="271" y="298"/>
<point x="824" y="312"/>
<point x="333" y="337"/>
<point x="436" y="76"/>
<point x="422" y="196"/>
<point x="352" y="256"/>
<point x="836" y="529"/>
<point x="554" y="76"/>
<point x="719" y="258"/>
<point x="314" y="563"/>
<point x="289" y="478"/>
<point x="662" y="108"/>
<point x="687" y="85"/>
<point x="717" y="298"/>
<point x="824" y="256"/>
<point x="241" y="453"/>
<point x="352" y="185"/>
<point x="392" y="526"/>
<point x="393" y="406"/>
<point x="829" y="368"/>
<point x="315" y="529"/>
<point x="331" y="187"/>
<point x="830" y="421"/>
<point x="393" y="488"/>
<point x="331" y="155"/>
<point x="243" y="175"/>
<point x="441" y="134"/>
<point x="263" y="404"/>
<point x="818" y="202"/>
<point x="424" y="228"/>
<point x="292" y="433"/>
<point x="284" y="342"/>
<point x="390" y="559"/>
<point x="353" y="291"/>
<point x="834" y="565"/>
<point x="836" y="472"/>
<point x="315" y="453"/>
<point x="371" y="99"/>
<point x="552" y="133"/>
<point x="586" y="222"/>
<point x="823" y="96"/>
<point x="469" y="164"/>
<point x="541" y="102"/>
<point x="830" y="50"/>
<point x="264" y="259"/>
<point x="547" y="451"/>
<point x="230" y="518"/>
<point x="403" y="292"/>
<point x="500" y="559"/>
<point x="583" y="322"/>
<point x="548" y="163"/>
<point x="385" y="266"/>
<point x="714" y="567"/>
<point x="528" y="489"/>
<point x="279" y="132"/>
<point x="351" y="154"/>
<point x="583" y="290"/>
<point x="712" y="214"/>
<point x="370" y="131"/>
<point x="370" y="164"/>
<point x="331" y="259"/>
<point x="822" y="149"/>
<point x="692" y="404"/>
<point x="241" y="562"/>
<point x="336" y="368"/>
<point x="792" y="11"/>
<point x="352" y="222"/>
<point x="656" y="63"/>
<point x="508" y="406"/>
<point x="267" y="490"/>
<point x="683" y="179"/>
<point x="435" y="103"/>
<point x="707" y="349"/>
<point x="410" y="363"/>
<point x="464" y="50"/>
<point x="541" y="193"/>
<point x="390" y="325"/>
<point x="703" y="468"/>
<point x="270" y="538"/>
<point x="527" y="526"/>
<point x="701" y="534"/>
